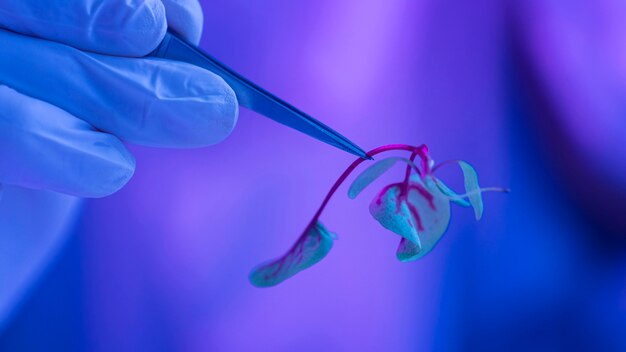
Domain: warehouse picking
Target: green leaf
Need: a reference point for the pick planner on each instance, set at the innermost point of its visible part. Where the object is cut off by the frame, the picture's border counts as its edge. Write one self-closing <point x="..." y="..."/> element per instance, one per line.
<point x="421" y="216"/>
<point x="449" y="192"/>
<point x="312" y="246"/>
<point x="370" y="174"/>
<point x="472" y="188"/>
<point x="408" y="251"/>
<point x="433" y="209"/>
<point x="391" y="210"/>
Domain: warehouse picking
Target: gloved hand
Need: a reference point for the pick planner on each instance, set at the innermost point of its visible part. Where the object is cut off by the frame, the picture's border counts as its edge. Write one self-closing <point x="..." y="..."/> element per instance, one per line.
<point x="73" y="85"/>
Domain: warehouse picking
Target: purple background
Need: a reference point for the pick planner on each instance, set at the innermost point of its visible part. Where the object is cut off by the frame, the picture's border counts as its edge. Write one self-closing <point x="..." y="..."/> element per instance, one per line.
<point x="530" y="92"/>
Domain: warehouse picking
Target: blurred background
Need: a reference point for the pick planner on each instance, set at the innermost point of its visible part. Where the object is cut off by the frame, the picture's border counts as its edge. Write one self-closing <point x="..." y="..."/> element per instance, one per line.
<point x="532" y="93"/>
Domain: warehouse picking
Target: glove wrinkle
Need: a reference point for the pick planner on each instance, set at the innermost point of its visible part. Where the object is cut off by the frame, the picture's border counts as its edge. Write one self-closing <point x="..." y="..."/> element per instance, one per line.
<point x="43" y="147"/>
<point x="114" y="27"/>
<point x="151" y="102"/>
<point x="185" y="17"/>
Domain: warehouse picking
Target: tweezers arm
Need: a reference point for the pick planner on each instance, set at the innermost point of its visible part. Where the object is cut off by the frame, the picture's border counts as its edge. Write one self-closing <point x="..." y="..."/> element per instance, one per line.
<point x="252" y="96"/>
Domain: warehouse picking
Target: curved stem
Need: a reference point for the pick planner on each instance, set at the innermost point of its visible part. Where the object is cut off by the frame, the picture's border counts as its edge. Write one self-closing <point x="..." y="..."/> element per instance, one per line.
<point x="446" y="162"/>
<point x="420" y="150"/>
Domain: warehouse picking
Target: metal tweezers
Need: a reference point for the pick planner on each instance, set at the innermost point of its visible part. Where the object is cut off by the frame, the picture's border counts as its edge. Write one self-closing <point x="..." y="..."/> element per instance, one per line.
<point x="252" y="96"/>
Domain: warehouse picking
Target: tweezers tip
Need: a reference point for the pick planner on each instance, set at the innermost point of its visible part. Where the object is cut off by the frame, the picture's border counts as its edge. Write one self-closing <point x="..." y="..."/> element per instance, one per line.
<point x="362" y="154"/>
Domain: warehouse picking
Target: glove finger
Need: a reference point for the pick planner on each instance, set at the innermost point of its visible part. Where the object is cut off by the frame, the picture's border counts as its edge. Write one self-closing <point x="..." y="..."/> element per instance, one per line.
<point x="185" y="18"/>
<point x="116" y="27"/>
<point x="44" y="147"/>
<point x="152" y="102"/>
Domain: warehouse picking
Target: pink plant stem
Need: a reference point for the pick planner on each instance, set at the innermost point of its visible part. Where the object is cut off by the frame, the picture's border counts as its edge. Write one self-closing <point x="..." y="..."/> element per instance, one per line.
<point x="421" y="150"/>
<point x="407" y="175"/>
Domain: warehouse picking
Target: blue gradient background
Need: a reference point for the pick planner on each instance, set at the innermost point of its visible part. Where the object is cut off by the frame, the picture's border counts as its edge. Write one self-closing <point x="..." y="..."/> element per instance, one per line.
<point x="533" y="93"/>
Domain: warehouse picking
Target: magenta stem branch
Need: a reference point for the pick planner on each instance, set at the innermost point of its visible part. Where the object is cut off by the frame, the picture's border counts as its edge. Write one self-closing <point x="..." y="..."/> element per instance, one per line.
<point x="443" y="163"/>
<point x="407" y="175"/>
<point x="421" y="150"/>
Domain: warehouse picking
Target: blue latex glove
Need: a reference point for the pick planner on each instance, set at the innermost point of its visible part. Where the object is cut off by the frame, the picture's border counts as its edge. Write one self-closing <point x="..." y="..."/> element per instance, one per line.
<point x="75" y="86"/>
<point x="52" y="139"/>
